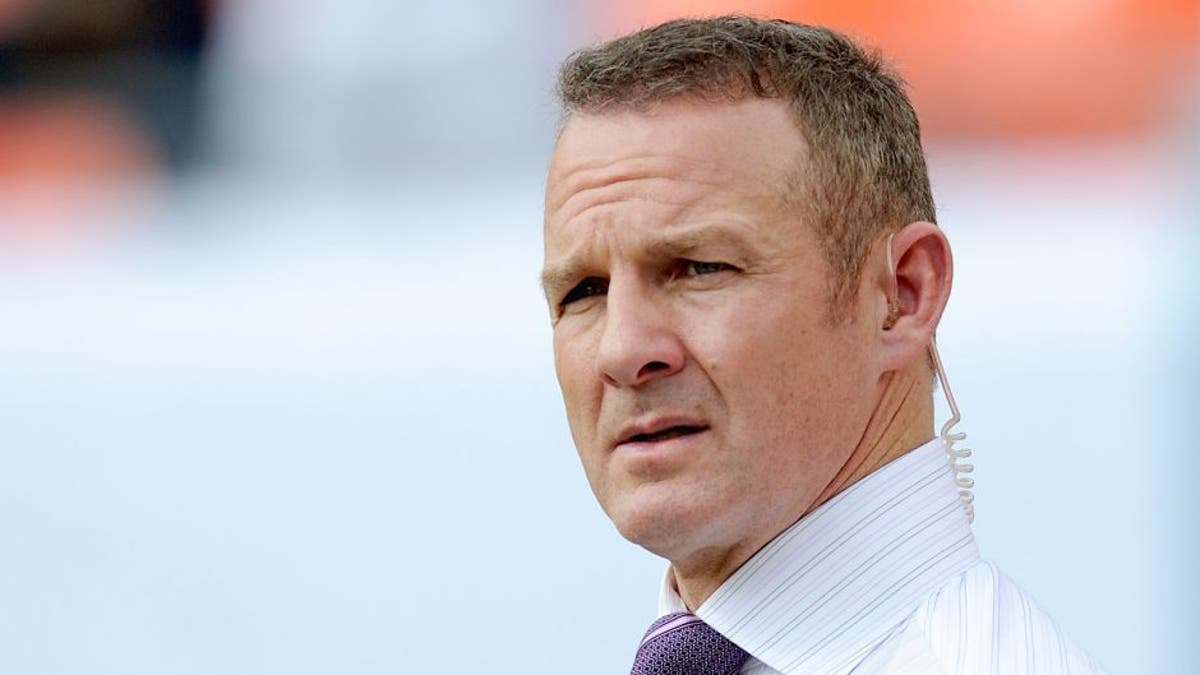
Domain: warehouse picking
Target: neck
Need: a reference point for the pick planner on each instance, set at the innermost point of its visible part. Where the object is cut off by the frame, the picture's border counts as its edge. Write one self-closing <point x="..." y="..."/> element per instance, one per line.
<point x="902" y="420"/>
<point x="702" y="575"/>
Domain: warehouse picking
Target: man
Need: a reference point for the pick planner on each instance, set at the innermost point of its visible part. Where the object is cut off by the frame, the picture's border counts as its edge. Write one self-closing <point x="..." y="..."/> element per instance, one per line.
<point x="744" y="279"/>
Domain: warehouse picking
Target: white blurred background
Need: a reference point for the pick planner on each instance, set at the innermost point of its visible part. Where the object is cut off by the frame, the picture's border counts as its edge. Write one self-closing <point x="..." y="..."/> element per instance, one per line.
<point x="276" y="392"/>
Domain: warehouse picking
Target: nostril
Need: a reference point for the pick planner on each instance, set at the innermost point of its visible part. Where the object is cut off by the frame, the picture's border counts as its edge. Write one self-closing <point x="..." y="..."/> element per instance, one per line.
<point x="653" y="367"/>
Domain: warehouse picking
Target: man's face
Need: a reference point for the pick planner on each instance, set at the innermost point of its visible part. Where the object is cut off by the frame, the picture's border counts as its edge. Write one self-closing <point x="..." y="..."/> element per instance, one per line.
<point x="709" y="396"/>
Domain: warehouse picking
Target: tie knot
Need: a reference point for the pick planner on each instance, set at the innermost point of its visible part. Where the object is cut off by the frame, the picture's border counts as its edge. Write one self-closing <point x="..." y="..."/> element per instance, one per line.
<point x="682" y="644"/>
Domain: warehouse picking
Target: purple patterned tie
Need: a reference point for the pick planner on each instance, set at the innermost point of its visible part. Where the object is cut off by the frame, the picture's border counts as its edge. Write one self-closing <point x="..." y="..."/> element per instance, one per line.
<point x="682" y="644"/>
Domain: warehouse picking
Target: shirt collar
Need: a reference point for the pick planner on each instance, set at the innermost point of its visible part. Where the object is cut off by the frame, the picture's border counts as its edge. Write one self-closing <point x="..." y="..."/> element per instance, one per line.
<point x="835" y="584"/>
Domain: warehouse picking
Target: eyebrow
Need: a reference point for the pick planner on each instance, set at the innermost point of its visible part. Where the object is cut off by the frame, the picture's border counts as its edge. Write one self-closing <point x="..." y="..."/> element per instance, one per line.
<point x="685" y="243"/>
<point x="560" y="274"/>
<point x="663" y="247"/>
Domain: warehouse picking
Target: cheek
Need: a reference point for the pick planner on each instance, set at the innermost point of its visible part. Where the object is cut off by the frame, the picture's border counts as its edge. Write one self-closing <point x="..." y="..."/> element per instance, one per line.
<point x="782" y="377"/>
<point x="582" y="391"/>
<point x="769" y="358"/>
<point x="575" y="369"/>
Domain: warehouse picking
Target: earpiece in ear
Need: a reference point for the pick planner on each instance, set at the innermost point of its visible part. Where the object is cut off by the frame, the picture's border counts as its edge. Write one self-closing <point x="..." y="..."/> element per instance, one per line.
<point x="893" y="314"/>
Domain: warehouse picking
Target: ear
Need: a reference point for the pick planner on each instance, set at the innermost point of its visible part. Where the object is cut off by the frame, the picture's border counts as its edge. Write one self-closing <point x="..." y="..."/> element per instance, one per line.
<point x="916" y="293"/>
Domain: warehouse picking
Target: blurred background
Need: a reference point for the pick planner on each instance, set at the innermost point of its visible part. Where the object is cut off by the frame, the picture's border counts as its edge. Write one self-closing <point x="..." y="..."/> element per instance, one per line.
<point x="276" y="393"/>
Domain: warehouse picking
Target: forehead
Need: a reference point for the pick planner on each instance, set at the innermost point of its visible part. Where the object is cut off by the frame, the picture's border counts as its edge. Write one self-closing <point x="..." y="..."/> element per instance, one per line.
<point x="686" y="166"/>
<point x="745" y="147"/>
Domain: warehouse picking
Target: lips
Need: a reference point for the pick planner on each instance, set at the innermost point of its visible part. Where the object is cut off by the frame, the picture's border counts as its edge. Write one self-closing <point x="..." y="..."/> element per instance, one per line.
<point x="661" y="430"/>
<point x="669" y="432"/>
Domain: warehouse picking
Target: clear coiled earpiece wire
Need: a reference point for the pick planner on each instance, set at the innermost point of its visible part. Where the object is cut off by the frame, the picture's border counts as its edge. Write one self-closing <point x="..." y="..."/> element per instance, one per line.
<point x="956" y="456"/>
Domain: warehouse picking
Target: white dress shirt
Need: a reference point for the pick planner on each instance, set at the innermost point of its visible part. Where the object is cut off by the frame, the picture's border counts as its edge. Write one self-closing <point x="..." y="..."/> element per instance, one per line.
<point x="884" y="578"/>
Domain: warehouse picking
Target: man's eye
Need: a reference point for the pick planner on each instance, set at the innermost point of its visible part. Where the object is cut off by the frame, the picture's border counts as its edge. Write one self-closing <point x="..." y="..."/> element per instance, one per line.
<point x="585" y="289"/>
<point x="696" y="268"/>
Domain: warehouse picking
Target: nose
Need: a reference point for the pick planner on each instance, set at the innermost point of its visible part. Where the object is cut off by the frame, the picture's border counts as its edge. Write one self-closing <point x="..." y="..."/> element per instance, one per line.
<point x="639" y="343"/>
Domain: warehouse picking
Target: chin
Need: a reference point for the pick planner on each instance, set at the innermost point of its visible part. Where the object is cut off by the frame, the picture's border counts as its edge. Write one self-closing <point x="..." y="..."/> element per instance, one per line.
<point x="666" y="520"/>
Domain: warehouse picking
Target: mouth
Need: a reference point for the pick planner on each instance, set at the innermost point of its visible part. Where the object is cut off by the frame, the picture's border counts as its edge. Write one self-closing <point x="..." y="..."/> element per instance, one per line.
<point x="664" y="433"/>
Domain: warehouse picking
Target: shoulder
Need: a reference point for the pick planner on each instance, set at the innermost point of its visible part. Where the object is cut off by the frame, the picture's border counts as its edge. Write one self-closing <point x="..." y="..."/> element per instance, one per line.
<point x="983" y="622"/>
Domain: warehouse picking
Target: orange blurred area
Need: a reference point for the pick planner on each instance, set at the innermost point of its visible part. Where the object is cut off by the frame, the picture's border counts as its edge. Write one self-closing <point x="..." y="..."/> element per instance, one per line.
<point x="97" y="108"/>
<point x="72" y="138"/>
<point x="1000" y="68"/>
<point x="67" y="163"/>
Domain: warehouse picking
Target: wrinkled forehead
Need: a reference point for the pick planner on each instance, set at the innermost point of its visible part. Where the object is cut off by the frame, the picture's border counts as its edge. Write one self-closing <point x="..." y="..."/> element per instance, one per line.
<point x="751" y="144"/>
